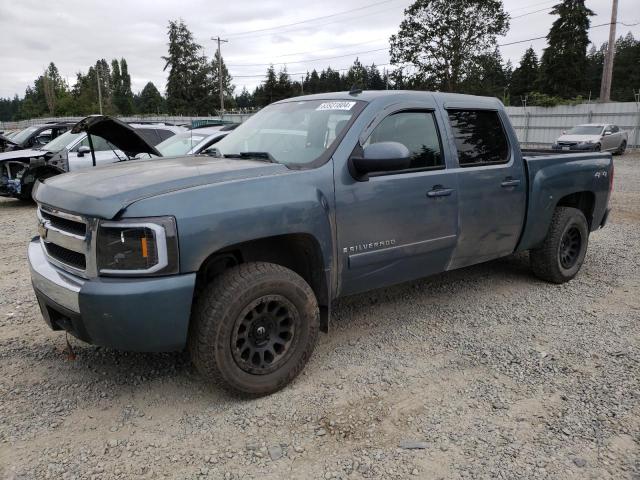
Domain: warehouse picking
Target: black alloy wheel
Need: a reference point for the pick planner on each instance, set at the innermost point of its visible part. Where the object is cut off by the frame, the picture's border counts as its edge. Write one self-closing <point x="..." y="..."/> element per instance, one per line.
<point x="570" y="247"/>
<point x="264" y="333"/>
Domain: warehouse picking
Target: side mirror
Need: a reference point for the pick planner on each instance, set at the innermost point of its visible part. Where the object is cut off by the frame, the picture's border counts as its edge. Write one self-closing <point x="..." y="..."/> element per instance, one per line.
<point x="380" y="157"/>
<point x="83" y="150"/>
<point x="607" y="132"/>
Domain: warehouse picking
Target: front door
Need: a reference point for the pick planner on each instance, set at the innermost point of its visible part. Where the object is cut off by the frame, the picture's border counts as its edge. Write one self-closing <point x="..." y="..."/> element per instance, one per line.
<point x="492" y="186"/>
<point x="105" y="153"/>
<point x="400" y="225"/>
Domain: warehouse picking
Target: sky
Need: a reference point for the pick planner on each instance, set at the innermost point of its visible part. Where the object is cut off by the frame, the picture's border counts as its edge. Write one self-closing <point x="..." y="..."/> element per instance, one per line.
<point x="74" y="34"/>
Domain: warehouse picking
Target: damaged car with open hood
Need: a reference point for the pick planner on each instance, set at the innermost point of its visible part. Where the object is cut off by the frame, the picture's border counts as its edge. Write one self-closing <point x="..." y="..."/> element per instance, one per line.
<point x="95" y="140"/>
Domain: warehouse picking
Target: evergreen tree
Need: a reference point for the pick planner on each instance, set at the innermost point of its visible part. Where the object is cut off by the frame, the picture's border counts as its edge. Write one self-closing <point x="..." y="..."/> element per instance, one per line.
<point x="149" y="100"/>
<point x="593" y="75"/>
<point x="214" y="82"/>
<point x="121" y="87"/>
<point x="626" y="69"/>
<point x="284" y="87"/>
<point x="525" y="78"/>
<point x="487" y="76"/>
<point x="188" y="89"/>
<point x="244" y="101"/>
<point x="441" y="39"/>
<point x="374" y="78"/>
<point x="357" y="75"/>
<point x="564" y="62"/>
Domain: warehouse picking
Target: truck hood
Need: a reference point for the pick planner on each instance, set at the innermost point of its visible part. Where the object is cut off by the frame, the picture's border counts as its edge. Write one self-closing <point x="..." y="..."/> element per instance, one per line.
<point x="21" y="154"/>
<point x="579" y="138"/>
<point x="104" y="191"/>
<point x="118" y="133"/>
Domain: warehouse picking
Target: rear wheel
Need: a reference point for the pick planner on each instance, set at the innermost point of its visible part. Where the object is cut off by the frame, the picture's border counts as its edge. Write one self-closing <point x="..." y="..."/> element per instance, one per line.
<point x="623" y="147"/>
<point x="562" y="253"/>
<point x="254" y="327"/>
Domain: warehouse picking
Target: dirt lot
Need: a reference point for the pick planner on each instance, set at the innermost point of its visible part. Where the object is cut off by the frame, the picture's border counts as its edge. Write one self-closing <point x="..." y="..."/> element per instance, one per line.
<point x="484" y="372"/>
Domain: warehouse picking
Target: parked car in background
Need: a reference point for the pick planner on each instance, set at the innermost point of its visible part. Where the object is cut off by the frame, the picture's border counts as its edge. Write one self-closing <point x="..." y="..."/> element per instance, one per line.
<point x="71" y="151"/>
<point x="35" y="136"/>
<point x="191" y="142"/>
<point x="241" y="254"/>
<point x="593" y="137"/>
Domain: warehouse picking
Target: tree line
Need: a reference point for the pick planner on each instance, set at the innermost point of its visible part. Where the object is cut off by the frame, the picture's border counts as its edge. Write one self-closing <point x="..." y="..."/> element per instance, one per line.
<point x="440" y="45"/>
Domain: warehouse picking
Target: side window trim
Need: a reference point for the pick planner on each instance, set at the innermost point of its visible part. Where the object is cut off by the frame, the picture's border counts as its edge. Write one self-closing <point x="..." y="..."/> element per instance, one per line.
<point x="372" y="128"/>
<point x="499" y="114"/>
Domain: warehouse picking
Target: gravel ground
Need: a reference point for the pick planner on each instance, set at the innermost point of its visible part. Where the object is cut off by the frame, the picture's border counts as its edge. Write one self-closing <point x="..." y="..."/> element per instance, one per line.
<point x="485" y="372"/>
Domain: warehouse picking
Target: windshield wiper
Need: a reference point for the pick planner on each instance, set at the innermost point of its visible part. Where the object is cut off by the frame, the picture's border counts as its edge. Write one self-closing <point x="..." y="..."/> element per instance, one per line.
<point x="265" y="156"/>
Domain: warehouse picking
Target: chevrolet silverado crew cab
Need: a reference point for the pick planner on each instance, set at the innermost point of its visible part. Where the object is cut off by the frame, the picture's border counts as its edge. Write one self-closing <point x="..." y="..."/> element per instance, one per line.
<point x="237" y="254"/>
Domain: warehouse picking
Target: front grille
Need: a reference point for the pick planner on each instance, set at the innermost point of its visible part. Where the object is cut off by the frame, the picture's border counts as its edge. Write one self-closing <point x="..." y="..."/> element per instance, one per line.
<point x="66" y="256"/>
<point x="65" y="224"/>
<point x="66" y="238"/>
<point x="567" y="144"/>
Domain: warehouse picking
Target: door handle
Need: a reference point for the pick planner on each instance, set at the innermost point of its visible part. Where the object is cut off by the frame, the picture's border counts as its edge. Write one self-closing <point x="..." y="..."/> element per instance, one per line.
<point x="510" y="182"/>
<point x="439" y="191"/>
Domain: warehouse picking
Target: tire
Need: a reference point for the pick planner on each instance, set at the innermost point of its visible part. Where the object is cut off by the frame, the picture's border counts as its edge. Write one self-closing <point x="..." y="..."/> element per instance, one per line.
<point x="261" y="308"/>
<point x="623" y="147"/>
<point x="597" y="148"/>
<point x="562" y="253"/>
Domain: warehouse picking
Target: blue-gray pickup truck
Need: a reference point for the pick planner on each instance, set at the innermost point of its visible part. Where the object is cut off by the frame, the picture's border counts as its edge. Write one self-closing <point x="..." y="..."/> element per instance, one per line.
<point x="237" y="254"/>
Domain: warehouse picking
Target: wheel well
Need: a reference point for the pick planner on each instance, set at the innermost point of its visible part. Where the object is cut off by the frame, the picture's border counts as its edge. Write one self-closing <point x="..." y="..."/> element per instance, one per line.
<point x="298" y="252"/>
<point x="583" y="201"/>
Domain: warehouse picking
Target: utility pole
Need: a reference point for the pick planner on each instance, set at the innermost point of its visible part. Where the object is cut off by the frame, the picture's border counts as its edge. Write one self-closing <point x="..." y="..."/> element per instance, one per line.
<point x="607" y="71"/>
<point x="99" y="88"/>
<point x="219" y="40"/>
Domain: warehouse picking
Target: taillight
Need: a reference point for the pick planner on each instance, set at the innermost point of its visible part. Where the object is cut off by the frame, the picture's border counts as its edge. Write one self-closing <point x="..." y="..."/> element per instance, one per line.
<point x="611" y="177"/>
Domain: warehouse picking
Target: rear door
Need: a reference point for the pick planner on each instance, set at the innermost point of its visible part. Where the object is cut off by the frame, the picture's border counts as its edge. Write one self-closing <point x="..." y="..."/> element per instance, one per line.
<point x="398" y="225"/>
<point x="492" y="185"/>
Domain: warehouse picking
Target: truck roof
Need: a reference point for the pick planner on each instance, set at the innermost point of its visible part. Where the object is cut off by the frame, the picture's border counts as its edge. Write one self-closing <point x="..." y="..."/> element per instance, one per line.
<point x="370" y="95"/>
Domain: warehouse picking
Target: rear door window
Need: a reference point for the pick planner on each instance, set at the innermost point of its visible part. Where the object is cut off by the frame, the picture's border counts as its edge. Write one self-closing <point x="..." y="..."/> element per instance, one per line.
<point x="479" y="137"/>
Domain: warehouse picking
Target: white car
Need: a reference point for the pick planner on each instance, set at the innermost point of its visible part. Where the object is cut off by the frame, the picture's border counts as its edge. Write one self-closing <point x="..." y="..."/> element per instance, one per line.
<point x="593" y="137"/>
<point x="71" y="151"/>
<point x="191" y="142"/>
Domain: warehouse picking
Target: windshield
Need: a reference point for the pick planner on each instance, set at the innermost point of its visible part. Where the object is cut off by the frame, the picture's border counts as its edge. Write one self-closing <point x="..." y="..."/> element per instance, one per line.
<point x="291" y="132"/>
<point x="179" y="144"/>
<point x="63" y="141"/>
<point x="585" y="130"/>
<point x="22" y="135"/>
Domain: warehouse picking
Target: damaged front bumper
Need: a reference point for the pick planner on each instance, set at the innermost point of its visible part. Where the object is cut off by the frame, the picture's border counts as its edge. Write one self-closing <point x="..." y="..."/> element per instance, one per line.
<point x="11" y="178"/>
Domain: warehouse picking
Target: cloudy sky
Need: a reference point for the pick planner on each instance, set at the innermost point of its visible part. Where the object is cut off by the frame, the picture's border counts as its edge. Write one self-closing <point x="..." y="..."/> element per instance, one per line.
<point x="74" y="33"/>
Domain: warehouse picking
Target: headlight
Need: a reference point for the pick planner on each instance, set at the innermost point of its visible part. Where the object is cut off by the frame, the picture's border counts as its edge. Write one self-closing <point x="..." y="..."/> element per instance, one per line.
<point x="586" y="142"/>
<point x="141" y="246"/>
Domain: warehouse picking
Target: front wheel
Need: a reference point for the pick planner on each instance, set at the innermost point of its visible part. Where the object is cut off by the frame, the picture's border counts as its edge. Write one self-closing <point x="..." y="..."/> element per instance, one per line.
<point x="562" y="253"/>
<point x="254" y="327"/>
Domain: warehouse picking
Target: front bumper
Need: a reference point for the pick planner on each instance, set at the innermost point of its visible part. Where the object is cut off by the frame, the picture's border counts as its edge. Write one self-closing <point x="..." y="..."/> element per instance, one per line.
<point x="134" y="314"/>
<point x="579" y="147"/>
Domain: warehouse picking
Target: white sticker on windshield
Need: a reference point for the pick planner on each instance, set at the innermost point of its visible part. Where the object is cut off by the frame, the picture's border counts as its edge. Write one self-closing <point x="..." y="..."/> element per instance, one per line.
<point x="336" y="106"/>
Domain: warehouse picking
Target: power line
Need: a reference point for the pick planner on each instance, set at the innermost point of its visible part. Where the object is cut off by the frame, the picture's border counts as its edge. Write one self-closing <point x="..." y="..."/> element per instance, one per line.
<point x="531" y="13"/>
<point x="310" y="60"/>
<point x="306" y="27"/>
<point x="310" y="19"/>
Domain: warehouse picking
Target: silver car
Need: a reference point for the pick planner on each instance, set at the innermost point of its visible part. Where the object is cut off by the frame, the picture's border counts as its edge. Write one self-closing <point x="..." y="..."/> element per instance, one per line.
<point x="593" y="137"/>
